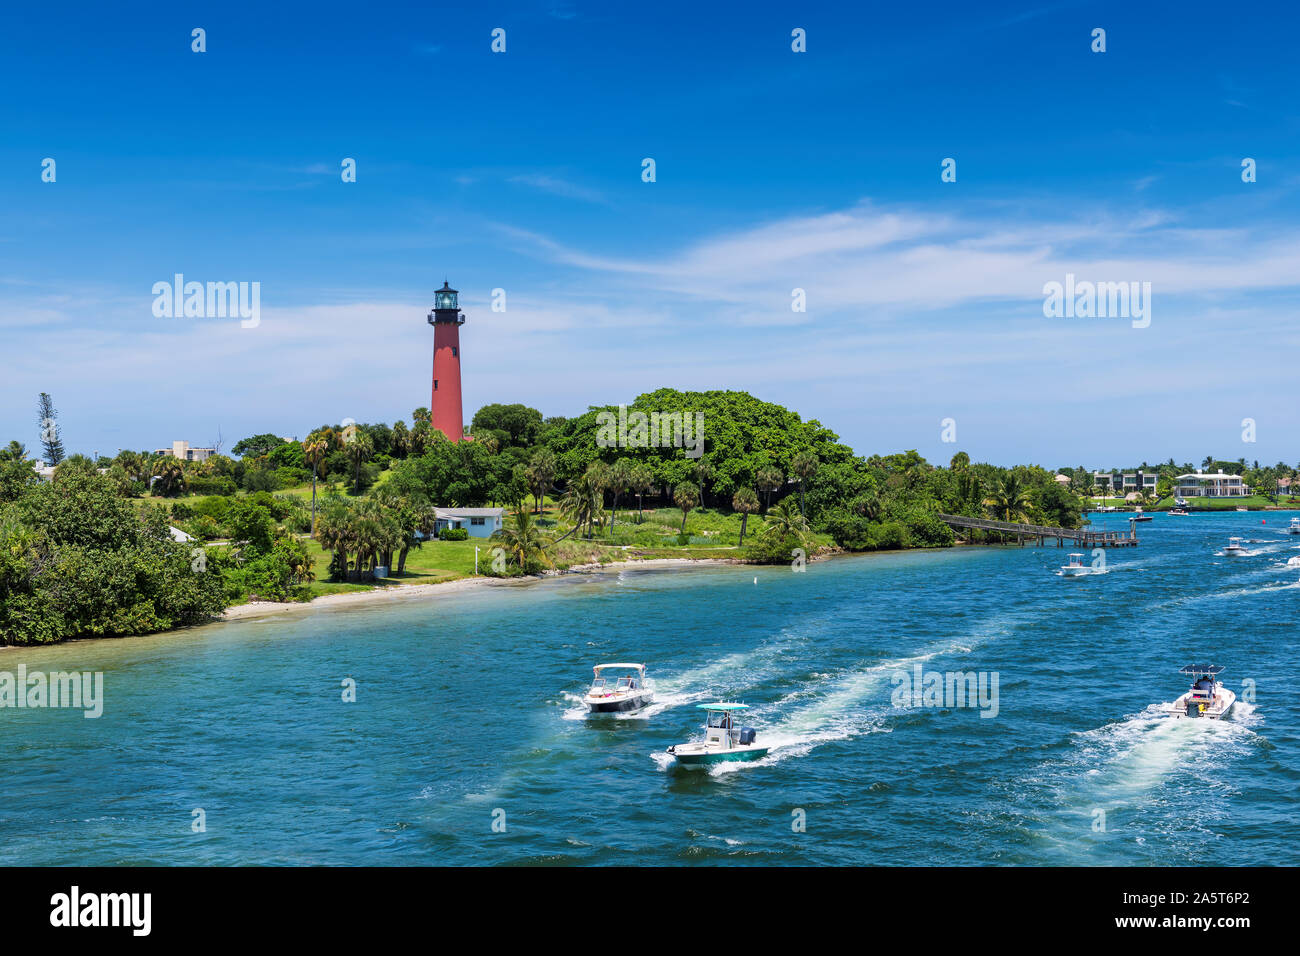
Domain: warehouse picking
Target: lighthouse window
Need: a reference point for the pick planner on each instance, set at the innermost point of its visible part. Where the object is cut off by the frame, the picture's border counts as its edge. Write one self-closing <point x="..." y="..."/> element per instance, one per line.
<point x="435" y="384"/>
<point x="455" y="351"/>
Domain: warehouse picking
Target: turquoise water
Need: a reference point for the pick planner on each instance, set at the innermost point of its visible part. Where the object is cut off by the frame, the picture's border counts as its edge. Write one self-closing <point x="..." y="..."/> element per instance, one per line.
<point x="467" y="713"/>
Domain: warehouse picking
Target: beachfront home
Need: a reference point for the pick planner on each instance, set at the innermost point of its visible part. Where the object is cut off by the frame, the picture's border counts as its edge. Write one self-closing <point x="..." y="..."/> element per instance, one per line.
<point x="479" y="522"/>
<point x="1216" y="485"/>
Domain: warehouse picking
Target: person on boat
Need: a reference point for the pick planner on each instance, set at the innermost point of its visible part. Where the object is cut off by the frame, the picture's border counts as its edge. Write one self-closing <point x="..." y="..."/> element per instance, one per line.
<point x="1204" y="683"/>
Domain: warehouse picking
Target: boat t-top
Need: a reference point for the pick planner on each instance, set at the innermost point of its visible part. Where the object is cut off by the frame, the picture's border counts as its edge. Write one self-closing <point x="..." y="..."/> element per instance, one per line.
<point x="1140" y="515"/>
<point x="629" y="691"/>
<point x="1207" y="697"/>
<point x="1295" y="526"/>
<point x="1074" y="568"/>
<point x="723" y="740"/>
<point x="1234" y="547"/>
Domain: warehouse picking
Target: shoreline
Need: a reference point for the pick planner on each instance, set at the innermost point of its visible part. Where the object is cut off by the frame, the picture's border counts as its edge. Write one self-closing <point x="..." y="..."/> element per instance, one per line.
<point x="394" y="592"/>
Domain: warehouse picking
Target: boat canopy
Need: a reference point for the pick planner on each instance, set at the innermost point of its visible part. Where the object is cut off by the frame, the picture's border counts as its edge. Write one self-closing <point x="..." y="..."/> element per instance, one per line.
<point x="722" y="706"/>
<point x="1198" y="669"/>
<point x="625" y="667"/>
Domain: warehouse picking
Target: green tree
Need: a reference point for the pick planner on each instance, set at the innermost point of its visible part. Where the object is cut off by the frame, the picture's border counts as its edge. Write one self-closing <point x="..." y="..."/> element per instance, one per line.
<point x="47" y="420"/>
<point x="746" y="502"/>
<point x="314" y="450"/>
<point x="523" y="543"/>
<point x="686" y="496"/>
<point x="769" y="479"/>
<point x="803" y="466"/>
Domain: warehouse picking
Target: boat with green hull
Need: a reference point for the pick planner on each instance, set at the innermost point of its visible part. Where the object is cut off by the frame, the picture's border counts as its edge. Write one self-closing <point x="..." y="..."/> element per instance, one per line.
<point x="724" y="741"/>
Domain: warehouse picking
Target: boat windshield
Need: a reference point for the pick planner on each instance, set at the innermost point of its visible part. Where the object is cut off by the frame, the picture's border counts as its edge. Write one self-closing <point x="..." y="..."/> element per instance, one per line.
<point x="719" y="718"/>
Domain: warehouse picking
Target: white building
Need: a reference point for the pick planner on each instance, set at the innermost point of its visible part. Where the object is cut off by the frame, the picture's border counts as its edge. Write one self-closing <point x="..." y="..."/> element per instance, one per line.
<point x="479" y="522"/>
<point x="183" y="451"/>
<point x="1216" y="485"/>
<point x="1126" y="482"/>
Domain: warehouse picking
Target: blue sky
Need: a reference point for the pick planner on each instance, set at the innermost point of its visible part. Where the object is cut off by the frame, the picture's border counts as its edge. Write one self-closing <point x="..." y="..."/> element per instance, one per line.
<point x="775" y="170"/>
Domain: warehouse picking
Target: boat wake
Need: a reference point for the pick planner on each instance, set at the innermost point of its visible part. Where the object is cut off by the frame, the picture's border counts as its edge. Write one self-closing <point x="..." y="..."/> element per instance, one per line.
<point x="850" y="705"/>
<point x="1148" y="771"/>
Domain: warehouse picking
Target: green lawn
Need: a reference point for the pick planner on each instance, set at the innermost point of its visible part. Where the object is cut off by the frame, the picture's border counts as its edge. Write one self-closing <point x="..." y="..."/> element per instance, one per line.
<point x="1254" y="502"/>
<point x="433" y="563"/>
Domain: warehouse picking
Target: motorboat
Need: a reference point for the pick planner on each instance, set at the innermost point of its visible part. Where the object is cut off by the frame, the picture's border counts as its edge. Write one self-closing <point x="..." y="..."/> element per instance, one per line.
<point x="1140" y="515"/>
<point x="1207" y="697"/>
<point x="1179" y="511"/>
<point x="1234" y="547"/>
<point x="1075" y="567"/>
<point x="626" y="690"/>
<point x="723" y="741"/>
<point x="1294" y="527"/>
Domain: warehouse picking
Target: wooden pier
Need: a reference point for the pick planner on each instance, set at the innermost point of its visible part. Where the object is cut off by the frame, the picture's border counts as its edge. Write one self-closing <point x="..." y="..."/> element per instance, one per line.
<point x="1027" y="532"/>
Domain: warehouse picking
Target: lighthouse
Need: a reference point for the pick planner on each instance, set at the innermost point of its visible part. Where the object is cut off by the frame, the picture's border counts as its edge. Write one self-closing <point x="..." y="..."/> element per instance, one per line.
<point x="446" y="321"/>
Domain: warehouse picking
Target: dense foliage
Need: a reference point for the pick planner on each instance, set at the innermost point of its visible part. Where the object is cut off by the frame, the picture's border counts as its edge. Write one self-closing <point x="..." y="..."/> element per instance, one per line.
<point x="77" y="560"/>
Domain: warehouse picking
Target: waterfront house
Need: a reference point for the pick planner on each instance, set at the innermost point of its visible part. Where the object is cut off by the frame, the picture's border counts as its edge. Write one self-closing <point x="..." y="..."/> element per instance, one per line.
<point x="479" y="522"/>
<point x="1215" y="485"/>
<point x="1125" y="482"/>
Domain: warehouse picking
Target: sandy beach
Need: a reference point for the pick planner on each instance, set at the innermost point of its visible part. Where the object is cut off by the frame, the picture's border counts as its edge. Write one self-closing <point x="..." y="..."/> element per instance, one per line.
<point x="408" y="592"/>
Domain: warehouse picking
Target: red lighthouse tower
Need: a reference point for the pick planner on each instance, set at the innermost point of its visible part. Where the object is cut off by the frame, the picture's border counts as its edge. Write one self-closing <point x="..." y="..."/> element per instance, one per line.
<point x="446" y="321"/>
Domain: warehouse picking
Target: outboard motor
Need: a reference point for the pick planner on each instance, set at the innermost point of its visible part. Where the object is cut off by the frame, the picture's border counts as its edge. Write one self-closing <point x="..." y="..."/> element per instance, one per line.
<point x="1193" y="708"/>
<point x="747" y="735"/>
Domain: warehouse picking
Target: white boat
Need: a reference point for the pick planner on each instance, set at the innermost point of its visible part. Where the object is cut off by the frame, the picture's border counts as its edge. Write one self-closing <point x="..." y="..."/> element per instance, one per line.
<point x="1234" y="547"/>
<point x="629" y="691"/>
<point x="1207" y="697"/>
<point x="723" y="741"/>
<point x="1074" y="568"/>
<point x="1295" y="526"/>
<point x="1180" y="512"/>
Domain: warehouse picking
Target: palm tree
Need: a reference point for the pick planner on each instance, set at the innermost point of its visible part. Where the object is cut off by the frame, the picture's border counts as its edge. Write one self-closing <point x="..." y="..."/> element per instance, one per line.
<point x="1208" y="463"/>
<point x="686" y="496"/>
<point x="338" y="534"/>
<point x="803" y="466"/>
<point x="522" y="541"/>
<point x="170" y="475"/>
<point x="584" y="499"/>
<point x="541" y="474"/>
<point x="14" y="451"/>
<point x="618" y="478"/>
<point x="769" y="479"/>
<point x="400" y="440"/>
<point x="1009" y="499"/>
<point x="746" y="502"/>
<point x="359" y="450"/>
<point x="783" y="521"/>
<point x="641" y="481"/>
<point x="868" y="504"/>
<point x="704" y="472"/>
<point x="314" y="450"/>
<point x="420" y="434"/>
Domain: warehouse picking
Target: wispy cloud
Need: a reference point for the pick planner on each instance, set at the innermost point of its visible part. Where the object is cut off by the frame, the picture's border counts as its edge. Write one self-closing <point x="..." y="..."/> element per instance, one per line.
<point x="557" y="186"/>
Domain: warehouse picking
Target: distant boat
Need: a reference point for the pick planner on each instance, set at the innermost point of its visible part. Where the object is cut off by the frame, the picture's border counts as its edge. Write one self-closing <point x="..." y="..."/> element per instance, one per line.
<point x="1207" y="697"/>
<point x="1295" y="526"/>
<point x="1074" y="568"/>
<point x="1182" y="512"/>
<point x="1242" y="509"/>
<point x="1234" y="547"/>
<point x="723" y="741"/>
<point x="1140" y="515"/>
